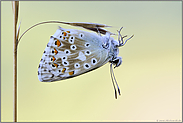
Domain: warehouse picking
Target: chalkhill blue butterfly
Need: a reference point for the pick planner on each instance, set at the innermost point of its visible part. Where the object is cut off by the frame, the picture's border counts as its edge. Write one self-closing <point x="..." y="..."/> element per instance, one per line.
<point x="71" y="52"/>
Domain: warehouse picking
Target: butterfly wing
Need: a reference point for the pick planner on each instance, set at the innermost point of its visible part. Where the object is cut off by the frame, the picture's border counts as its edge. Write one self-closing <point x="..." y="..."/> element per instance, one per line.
<point x="70" y="53"/>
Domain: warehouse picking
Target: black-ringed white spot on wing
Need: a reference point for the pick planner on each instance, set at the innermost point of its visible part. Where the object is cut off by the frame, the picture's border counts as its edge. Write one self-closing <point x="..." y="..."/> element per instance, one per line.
<point x="93" y="61"/>
<point x="71" y="39"/>
<point x="86" y="66"/>
<point x="65" y="63"/>
<point x="67" y="51"/>
<point x="76" y="65"/>
<point x="87" y="45"/>
<point x="64" y="58"/>
<point x="81" y="35"/>
<point x="87" y="52"/>
<point x="73" y="47"/>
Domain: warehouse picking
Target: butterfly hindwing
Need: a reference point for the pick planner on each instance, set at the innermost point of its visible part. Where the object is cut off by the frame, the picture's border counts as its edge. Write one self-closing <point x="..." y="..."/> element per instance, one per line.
<point x="70" y="53"/>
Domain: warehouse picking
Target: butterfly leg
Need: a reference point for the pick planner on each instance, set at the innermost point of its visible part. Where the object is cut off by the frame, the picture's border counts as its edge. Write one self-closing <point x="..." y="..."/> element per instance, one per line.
<point x="114" y="80"/>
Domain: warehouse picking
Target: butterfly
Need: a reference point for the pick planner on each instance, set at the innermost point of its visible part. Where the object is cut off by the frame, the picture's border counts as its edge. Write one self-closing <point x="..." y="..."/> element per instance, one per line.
<point x="71" y="52"/>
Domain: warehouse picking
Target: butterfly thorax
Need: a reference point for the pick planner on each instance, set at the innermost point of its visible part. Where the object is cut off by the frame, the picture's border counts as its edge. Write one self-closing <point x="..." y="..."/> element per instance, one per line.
<point x="112" y="46"/>
<point x="114" y="51"/>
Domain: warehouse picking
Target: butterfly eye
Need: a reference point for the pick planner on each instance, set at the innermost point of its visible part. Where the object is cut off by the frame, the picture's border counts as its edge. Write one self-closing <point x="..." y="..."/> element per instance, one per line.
<point x="87" y="45"/>
<point x="76" y="65"/>
<point x="94" y="61"/>
<point x="81" y="35"/>
<point x="67" y="51"/>
<point x="87" y="52"/>
<point x="73" y="47"/>
<point x="86" y="65"/>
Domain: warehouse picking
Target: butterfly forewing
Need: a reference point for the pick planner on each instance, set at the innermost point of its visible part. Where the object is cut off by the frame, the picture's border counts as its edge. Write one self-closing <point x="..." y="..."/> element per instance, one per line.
<point x="70" y="53"/>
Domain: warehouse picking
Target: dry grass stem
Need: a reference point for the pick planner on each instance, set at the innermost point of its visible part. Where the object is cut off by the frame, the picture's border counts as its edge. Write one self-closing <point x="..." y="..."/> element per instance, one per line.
<point x="15" y="6"/>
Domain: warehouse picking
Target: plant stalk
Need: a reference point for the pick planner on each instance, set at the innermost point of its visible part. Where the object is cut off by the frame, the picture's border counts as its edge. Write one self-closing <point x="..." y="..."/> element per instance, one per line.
<point x="15" y="17"/>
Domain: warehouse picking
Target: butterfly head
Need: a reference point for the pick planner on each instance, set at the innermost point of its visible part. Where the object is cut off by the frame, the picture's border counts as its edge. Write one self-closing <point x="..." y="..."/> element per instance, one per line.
<point x="114" y="48"/>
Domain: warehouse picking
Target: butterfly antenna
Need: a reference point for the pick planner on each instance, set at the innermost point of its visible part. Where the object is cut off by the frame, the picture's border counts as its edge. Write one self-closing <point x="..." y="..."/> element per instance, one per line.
<point x="115" y="81"/>
<point x="120" y="38"/>
<point x="111" y="71"/>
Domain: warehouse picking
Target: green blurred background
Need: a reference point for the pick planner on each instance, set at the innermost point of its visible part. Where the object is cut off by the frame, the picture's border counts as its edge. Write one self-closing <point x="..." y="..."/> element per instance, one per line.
<point x="150" y="76"/>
